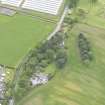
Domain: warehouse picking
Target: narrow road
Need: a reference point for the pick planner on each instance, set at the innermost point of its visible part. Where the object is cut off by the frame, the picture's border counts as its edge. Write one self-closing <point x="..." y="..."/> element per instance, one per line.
<point x="57" y="28"/>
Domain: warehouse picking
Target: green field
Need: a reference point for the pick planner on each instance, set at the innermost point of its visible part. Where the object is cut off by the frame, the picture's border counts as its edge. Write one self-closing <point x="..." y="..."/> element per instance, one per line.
<point x="19" y="34"/>
<point x="77" y="84"/>
<point x="96" y="12"/>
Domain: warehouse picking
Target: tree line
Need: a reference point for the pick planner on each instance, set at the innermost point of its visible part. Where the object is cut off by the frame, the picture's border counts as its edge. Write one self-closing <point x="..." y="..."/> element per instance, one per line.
<point x="50" y="51"/>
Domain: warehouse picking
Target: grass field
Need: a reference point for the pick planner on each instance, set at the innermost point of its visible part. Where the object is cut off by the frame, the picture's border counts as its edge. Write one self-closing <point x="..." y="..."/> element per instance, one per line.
<point x="96" y="12"/>
<point x="18" y="34"/>
<point x="77" y="84"/>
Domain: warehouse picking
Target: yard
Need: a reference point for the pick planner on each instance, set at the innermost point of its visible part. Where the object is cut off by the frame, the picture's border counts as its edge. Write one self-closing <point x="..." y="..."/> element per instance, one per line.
<point x="19" y="34"/>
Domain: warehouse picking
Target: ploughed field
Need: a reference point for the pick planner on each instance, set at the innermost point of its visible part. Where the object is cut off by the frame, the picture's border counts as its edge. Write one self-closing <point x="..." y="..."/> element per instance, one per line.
<point x="19" y="34"/>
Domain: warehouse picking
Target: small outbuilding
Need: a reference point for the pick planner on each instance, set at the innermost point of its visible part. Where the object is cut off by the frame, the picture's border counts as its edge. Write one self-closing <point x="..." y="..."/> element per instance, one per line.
<point x="39" y="78"/>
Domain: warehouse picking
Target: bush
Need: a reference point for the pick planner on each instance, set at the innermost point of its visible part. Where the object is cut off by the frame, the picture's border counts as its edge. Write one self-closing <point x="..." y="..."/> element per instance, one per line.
<point x="84" y="48"/>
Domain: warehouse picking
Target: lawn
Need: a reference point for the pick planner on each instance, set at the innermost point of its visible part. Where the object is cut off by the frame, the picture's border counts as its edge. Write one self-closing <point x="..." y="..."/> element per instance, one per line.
<point x="77" y="84"/>
<point x="19" y="34"/>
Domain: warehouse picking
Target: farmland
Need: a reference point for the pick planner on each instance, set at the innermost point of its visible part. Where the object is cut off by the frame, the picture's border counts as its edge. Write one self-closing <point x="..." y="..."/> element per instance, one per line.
<point x="77" y="84"/>
<point x="19" y="34"/>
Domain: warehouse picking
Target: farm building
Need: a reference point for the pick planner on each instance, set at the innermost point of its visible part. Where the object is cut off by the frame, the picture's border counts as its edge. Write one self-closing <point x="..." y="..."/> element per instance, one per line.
<point x="45" y="6"/>
<point x="39" y="78"/>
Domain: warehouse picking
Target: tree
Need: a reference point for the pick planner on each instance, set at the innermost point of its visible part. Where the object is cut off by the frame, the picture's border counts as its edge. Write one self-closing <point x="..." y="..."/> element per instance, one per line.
<point x="93" y="1"/>
<point x="50" y="54"/>
<point x="73" y="3"/>
<point x="61" y="59"/>
<point x="61" y="62"/>
<point x="84" y="48"/>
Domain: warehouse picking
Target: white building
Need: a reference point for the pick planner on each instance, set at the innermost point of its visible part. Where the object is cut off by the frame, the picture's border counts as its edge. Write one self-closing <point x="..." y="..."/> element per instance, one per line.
<point x="11" y="102"/>
<point x="15" y="3"/>
<point x="39" y="78"/>
<point x="45" y="6"/>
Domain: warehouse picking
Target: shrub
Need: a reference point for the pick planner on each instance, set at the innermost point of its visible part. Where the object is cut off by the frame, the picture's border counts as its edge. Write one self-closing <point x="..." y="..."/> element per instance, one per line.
<point x="84" y="48"/>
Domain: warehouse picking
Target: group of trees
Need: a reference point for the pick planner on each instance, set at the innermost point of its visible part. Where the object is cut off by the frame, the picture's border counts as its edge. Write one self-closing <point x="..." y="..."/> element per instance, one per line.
<point x="61" y="59"/>
<point x="38" y="59"/>
<point x="79" y="13"/>
<point x="84" y="48"/>
<point x="74" y="3"/>
<point x="93" y="1"/>
<point x="70" y="20"/>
